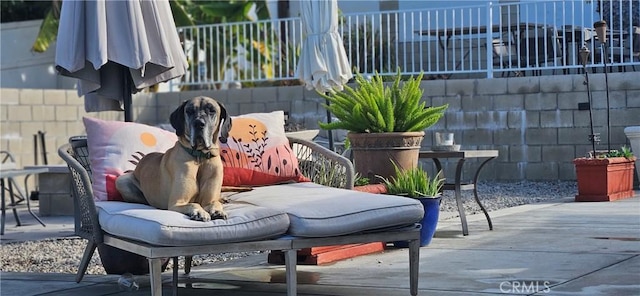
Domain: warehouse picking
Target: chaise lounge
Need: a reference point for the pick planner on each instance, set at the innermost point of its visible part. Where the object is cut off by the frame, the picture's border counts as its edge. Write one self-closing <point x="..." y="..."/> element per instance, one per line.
<point x="285" y="217"/>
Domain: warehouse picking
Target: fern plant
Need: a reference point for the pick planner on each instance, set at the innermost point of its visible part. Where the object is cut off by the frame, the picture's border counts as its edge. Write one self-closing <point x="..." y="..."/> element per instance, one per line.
<point x="373" y="107"/>
<point x="414" y="183"/>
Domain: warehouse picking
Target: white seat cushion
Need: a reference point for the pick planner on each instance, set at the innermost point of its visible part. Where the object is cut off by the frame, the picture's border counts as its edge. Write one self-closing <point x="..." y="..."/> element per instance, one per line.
<point x="320" y="211"/>
<point x="169" y="228"/>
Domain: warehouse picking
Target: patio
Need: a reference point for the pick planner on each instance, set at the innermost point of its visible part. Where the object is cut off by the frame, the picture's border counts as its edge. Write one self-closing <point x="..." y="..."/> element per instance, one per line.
<point x="566" y="248"/>
<point x="563" y="247"/>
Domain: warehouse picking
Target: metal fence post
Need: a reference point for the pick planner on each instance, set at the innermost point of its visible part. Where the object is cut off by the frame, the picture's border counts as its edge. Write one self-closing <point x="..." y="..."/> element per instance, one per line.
<point x="489" y="40"/>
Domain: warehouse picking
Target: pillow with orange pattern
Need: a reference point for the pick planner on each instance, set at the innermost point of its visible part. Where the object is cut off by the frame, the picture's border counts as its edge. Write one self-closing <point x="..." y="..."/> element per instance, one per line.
<point x="257" y="152"/>
<point x="111" y="144"/>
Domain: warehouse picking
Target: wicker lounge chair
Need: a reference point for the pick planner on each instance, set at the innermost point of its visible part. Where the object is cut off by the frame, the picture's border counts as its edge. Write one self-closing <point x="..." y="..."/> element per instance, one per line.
<point x="275" y="224"/>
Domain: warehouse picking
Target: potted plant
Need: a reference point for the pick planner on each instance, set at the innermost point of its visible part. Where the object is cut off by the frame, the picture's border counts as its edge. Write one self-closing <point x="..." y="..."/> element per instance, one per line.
<point x="605" y="176"/>
<point x="633" y="134"/>
<point x="416" y="183"/>
<point x="602" y="176"/>
<point x="385" y="122"/>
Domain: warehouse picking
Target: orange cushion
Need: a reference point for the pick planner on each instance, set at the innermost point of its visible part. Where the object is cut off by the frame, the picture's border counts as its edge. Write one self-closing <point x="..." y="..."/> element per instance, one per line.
<point x="257" y="152"/>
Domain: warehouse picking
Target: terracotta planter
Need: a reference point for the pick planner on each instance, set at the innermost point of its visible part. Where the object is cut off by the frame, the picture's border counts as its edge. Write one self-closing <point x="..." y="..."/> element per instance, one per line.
<point x="373" y="152"/>
<point x="604" y="179"/>
<point x="329" y="254"/>
<point x="372" y="188"/>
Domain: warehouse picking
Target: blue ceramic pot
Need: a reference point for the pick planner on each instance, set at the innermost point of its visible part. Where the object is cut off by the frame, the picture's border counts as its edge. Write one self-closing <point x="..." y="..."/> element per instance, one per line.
<point x="429" y="222"/>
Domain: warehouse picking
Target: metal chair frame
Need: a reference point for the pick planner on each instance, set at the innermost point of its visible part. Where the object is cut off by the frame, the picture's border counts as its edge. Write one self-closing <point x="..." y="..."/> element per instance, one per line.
<point x="314" y="159"/>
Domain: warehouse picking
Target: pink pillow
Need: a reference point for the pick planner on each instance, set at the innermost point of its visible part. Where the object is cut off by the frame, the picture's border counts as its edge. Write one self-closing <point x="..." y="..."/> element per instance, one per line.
<point x="257" y="152"/>
<point x="111" y="144"/>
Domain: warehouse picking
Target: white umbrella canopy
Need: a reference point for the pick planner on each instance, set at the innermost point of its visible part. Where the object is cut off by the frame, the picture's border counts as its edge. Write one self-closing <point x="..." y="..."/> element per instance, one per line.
<point x="323" y="63"/>
<point x="116" y="48"/>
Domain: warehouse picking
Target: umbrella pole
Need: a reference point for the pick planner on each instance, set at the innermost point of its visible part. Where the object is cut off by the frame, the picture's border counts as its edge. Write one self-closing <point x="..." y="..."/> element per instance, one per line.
<point x="329" y="132"/>
<point x="128" y="114"/>
<point x="127" y="95"/>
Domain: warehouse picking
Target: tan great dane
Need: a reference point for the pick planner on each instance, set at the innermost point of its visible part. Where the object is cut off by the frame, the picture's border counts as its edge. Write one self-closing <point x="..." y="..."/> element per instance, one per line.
<point x="188" y="177"/>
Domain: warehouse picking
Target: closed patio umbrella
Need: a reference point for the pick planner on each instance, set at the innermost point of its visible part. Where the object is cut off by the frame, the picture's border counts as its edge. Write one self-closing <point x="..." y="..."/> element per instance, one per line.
<point x="323" y="64"/>
<point x="116" y="48"/>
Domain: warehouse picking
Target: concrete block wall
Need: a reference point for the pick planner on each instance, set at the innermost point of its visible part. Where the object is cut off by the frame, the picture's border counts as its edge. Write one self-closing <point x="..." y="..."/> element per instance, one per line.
<point x="58" y="113"/>
<point x="533" y="121"/>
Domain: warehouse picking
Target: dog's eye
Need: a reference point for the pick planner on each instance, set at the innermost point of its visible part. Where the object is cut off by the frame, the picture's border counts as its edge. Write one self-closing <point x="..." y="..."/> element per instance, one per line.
<point x="189" y="110"/>
<point x="210" y="109"/>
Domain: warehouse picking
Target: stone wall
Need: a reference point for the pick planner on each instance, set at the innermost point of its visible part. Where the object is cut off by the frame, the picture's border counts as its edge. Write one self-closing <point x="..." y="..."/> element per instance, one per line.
<point x="533" y="121"/>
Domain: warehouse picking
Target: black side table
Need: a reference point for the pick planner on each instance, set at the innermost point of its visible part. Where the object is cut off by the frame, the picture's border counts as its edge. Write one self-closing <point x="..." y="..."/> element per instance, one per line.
<point x="458" y="186"/>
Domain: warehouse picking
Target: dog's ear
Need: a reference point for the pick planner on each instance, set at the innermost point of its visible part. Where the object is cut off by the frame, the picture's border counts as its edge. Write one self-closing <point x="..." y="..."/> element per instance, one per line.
<point x="226" y="125"/>
<point x="177" y="119"/>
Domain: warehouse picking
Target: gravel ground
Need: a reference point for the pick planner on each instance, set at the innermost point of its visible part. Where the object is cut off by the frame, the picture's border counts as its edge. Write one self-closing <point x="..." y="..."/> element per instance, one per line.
<point x="499" y="195"/>
<point x="63" y="255"/>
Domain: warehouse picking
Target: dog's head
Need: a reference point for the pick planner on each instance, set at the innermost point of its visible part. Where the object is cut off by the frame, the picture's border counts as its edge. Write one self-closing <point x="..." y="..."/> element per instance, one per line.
<point x="200" y="121"/>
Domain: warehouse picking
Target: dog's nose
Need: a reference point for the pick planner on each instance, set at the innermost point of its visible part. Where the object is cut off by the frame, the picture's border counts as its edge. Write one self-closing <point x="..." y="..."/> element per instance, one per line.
<point x="199" y="123"/>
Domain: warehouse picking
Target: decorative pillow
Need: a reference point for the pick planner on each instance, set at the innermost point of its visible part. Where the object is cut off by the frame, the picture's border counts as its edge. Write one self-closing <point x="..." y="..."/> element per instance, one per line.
<point x="111" y="146"/>
<point x="257" y="152"/>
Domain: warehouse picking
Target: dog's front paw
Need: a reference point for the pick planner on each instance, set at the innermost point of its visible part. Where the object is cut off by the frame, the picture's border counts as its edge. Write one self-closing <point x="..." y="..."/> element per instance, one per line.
<point x="216" y="211"/>
<point x="219" y="215"/>
<point x="200" y="215"/>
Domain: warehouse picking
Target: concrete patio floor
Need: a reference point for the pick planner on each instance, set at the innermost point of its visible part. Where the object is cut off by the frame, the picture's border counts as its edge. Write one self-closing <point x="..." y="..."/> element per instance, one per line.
<point x="552" y="248"/>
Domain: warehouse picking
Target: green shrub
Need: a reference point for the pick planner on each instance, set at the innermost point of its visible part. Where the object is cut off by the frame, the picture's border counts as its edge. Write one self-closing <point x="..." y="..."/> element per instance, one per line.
<point x="623" y="152"/>
<point x="374" y="108"/>
<point x="414" y="183"/>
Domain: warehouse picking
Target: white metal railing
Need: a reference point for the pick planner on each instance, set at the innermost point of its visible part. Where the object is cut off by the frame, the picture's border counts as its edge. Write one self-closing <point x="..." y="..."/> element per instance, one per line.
<point x="485" y="40"/>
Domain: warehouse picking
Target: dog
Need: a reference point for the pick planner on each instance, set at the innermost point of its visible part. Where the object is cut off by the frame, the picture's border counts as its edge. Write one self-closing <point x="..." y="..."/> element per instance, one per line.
<point x="187" y="178"/>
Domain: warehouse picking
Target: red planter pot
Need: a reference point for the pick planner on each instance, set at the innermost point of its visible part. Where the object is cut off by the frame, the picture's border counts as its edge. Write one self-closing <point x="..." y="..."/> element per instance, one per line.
<point x="372" y="188"/>
<point x="329" y="254"/>
<point x="604" y="179"/>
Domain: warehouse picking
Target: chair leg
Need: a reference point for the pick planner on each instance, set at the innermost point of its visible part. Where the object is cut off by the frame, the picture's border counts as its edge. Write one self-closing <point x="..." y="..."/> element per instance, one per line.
<point x="86" y="258"/>
<point x="187" y="264"/>
<point x="155" y="275"/>
<point x="414" y="266"/>
<point x="175" y="276"/>
<point x="290" y="262"/>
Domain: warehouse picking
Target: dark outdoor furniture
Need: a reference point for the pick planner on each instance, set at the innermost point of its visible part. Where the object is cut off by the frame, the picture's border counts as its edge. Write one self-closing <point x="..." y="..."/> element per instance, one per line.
<point x="7" y="185"/>
<point x="320" y="216"/>
<point x="628" y="49"/>
<point x="503" y="50"/>
<point x="540" y="47"/>
<point x="572" y="39"/>
<point x="458" y="184"/>
<point x="505" y="56"/>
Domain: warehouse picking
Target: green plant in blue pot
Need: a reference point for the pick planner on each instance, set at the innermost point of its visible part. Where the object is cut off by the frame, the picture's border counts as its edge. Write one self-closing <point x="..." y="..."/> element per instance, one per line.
<point x="416" y="183"/>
